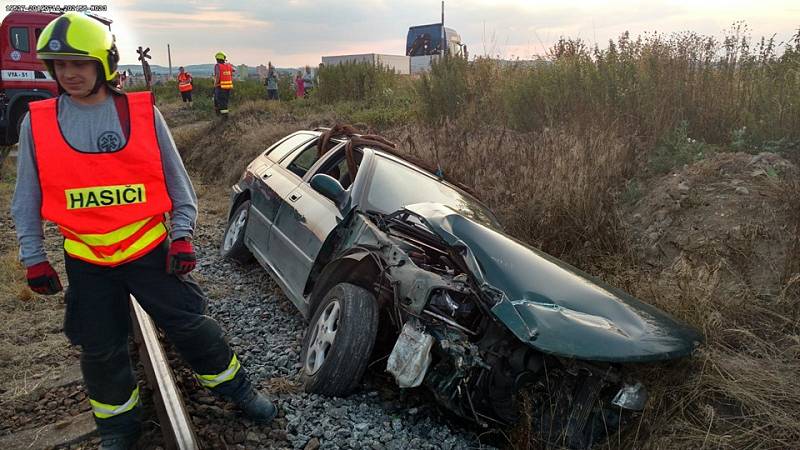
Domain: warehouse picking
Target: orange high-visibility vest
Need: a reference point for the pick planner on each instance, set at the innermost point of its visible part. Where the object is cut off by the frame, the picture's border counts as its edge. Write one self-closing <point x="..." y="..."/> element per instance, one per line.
<point x="225" y="76"/>
<point x="184" y="82"/>
<point x="109" y="206"/>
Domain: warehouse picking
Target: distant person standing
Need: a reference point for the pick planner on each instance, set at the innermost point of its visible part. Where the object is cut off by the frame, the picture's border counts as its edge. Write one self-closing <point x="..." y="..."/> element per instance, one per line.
<point x="185" y="85"/>
<point x="308" y="82"/>
<point x="223" y="83"/>
<point x="299" y="85"/>
<point x="271" y="82"/>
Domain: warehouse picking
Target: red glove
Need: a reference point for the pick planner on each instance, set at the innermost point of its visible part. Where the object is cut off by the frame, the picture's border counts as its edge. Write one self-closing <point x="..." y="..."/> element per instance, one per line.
<point x="181" y="258"/>
<point x="42" y="279"/>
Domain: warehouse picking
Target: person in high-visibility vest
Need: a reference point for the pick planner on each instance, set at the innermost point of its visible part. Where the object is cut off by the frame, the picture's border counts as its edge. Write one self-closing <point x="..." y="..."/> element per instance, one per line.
<point x="223" y="83"/>
<point x="185" y="85"/>
<point x="102" y="165"/>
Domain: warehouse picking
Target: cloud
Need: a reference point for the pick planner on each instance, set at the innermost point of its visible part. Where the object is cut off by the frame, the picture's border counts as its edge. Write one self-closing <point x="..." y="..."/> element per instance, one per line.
<point x="296" y="32"/>
<point x="201" y="19"/>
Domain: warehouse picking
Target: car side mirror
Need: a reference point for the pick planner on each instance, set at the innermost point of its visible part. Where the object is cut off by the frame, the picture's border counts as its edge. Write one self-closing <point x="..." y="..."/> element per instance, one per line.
<point x="329" y="187"/>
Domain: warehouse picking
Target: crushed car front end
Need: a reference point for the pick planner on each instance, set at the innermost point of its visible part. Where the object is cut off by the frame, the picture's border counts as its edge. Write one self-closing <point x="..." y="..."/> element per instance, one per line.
<point x="476" y="317"/>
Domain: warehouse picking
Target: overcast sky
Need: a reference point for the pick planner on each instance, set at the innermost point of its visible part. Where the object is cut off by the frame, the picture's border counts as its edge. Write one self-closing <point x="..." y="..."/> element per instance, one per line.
<point x="292" y="33"/>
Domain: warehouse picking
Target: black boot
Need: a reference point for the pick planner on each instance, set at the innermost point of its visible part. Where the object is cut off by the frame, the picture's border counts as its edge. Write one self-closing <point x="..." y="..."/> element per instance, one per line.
<point x="119" y="443"/>
<point x="257" y="407"/>
<point x="253" y="404"/>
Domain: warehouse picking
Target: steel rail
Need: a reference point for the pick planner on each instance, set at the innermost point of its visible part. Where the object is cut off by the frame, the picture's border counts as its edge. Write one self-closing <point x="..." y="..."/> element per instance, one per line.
<point x="174" y="420"/>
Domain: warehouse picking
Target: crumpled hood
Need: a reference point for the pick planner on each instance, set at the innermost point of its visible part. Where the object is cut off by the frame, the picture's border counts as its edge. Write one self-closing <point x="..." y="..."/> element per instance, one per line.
<point x="555" y="307"/>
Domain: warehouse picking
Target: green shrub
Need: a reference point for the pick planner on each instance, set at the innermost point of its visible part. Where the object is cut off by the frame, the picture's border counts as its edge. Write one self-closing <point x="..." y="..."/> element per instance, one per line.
<point x="645" y="86"/>
<point x="353" y="81"/>
<point x="676" y="149"/>
<point x="443" y="91"/>
<point x="243" y="90"/>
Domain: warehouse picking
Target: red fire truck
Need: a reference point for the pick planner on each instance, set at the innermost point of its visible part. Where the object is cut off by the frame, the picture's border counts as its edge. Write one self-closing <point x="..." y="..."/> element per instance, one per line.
<point x="23" y="78"/>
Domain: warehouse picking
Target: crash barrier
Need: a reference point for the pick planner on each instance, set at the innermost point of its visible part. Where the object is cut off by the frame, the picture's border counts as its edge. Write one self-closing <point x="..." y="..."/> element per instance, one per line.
<point x="176" y="426"/>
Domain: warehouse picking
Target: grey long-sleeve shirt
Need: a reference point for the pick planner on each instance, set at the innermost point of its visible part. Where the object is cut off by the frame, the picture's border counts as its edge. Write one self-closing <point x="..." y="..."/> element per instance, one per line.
<point x="92" y="128"/>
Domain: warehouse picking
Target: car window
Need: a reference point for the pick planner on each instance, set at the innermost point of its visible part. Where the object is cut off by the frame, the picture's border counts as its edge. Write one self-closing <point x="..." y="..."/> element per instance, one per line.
<point x="395" y="185"/>
<point x="304" y="160"/>
<point x="284" y="148"/>
<point x="19" y="39"/>
<point x="337" y="166"/>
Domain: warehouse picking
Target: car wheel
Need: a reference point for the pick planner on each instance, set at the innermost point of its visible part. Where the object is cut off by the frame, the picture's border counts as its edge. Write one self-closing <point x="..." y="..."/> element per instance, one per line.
<point x="233" y="241"/>
<point x="339" y="340"/>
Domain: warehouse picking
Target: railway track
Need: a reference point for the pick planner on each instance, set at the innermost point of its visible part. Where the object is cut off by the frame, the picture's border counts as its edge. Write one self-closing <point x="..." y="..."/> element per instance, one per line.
<point x="77" y="431"/>
<point x="176" y="426"/>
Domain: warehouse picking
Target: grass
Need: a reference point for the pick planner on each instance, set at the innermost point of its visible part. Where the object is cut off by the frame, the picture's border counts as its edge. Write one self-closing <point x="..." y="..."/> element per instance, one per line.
<point x="563" y="149"/>
<point x="30" y="342"/>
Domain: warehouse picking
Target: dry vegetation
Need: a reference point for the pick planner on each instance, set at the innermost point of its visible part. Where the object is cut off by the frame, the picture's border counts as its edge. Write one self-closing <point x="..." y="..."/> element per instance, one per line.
<point x="30" y="342"/>
<point x="635" y="162"/>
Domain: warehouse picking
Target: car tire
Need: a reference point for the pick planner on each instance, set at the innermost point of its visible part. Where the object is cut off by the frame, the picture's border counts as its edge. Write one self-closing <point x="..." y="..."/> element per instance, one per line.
<point x="339" y="341"/>
<point x="232" y="246"/>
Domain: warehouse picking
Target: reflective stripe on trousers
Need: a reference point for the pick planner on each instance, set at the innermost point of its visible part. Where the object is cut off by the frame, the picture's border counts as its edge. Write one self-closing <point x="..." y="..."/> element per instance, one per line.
<point x="211" y="381"/>
<point x="104" y="411"/>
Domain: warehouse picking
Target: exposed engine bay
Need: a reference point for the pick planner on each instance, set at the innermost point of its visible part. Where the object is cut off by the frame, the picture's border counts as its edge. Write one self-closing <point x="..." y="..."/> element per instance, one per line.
<point x="449" y="341"/>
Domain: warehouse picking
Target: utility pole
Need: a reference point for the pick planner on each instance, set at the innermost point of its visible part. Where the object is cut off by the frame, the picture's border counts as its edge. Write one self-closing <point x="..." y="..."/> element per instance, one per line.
<point x="444" y="34"/>
<point x="169" y="58"/>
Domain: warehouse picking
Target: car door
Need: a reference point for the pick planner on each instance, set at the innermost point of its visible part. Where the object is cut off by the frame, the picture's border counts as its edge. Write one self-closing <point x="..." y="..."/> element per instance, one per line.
<point x="271" y="185"/>
<point x="303" y="223"/>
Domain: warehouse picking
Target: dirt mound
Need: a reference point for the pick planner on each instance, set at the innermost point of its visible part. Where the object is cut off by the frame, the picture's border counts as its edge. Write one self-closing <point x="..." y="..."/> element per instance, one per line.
<point x="729" y="212"/>
<point x="716" y="244"/>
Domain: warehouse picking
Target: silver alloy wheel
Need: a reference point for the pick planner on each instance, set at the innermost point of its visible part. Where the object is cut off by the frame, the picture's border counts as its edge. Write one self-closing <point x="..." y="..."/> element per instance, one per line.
<point x="236" y="227"/>
<point x="324" y="334"/>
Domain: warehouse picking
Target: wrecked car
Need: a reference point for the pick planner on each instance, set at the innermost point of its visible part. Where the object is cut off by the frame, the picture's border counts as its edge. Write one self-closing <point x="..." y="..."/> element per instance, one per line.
<point x="371" y="247"/>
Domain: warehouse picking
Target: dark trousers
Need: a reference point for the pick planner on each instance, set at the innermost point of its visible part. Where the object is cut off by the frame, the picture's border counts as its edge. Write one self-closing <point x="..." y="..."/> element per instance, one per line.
<point x="272" y="94"/>
<point x="221" y="98"/>
<point x="98" y="320"/>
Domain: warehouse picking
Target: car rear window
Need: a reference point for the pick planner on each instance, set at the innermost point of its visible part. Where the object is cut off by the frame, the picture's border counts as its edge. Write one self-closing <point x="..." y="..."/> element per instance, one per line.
<point x="303" y="161"/>
<point x="284" y="148"/>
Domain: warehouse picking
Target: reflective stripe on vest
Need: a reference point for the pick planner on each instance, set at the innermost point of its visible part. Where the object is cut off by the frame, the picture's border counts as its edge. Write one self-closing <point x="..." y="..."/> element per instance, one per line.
<point x="99" y="255"/>
<point x="110" y="205"/>
<point x="104" y="411"/>
<point x="210" y="381"/>
<point x="184" y="83"/>
<point x="225" y="76"/>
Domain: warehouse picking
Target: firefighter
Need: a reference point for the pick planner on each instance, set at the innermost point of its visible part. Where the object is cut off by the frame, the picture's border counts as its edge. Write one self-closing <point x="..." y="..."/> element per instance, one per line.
<point x="102" y="165"/>
<point x="185" y="85"/>
<point x="223" y="83"/>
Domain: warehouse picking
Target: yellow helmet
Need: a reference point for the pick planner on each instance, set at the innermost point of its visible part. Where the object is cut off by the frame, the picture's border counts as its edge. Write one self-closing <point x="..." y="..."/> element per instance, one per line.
<point x="74" y="35"/>
<point x="221" y="55"/>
